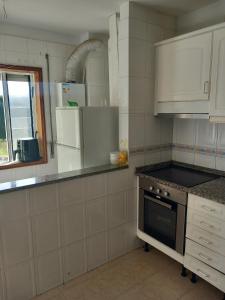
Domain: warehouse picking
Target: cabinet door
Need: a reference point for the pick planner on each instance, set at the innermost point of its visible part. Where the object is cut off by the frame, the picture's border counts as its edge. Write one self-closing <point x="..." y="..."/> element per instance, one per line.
<point x="217" y="97"/>
<point x="183" y="69"/>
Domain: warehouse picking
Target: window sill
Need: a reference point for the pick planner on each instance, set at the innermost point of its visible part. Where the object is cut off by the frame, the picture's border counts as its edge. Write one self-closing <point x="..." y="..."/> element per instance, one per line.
<point x="14" y="164"/>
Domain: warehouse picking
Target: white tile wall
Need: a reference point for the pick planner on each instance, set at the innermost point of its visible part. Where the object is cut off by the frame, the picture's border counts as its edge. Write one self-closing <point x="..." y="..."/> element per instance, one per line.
<point x="73" y="223"/>
<point x="199" y="134"/>
<point x="145" y="28"/>
<point x="50" y="244"/>
<point x="29" y="52"/>
<point x="74" y="257"/>
<point x="97" y="251"/>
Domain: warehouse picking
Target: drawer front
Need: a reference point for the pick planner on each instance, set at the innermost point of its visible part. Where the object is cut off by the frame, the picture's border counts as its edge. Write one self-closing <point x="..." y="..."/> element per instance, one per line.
<point x="205" y="238"/>
<point x="208" y="207"/>
<point x="205" y="255"/>
<point x="206" y="223"/>
<point x="204" y="271"/>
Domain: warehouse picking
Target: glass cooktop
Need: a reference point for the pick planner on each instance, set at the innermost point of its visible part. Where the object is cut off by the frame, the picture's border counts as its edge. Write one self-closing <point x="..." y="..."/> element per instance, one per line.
<point x="182" y="176"/>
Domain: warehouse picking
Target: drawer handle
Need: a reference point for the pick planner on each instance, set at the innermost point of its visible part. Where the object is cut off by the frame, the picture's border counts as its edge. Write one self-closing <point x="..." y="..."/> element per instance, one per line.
<point x="207" y="224"/>
<point x="205" y="240"/>
<point x="203" y="274"/>
<point x="208" y="208"/>
<point x="204" y="256"/>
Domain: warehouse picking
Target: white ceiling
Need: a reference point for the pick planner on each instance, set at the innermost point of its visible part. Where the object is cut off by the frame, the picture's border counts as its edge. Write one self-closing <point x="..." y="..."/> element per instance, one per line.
<point x="76" y="16"/>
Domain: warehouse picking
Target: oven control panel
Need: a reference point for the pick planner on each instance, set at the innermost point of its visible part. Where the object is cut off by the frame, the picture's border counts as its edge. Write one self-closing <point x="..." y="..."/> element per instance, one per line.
<point x="163" y="190"/>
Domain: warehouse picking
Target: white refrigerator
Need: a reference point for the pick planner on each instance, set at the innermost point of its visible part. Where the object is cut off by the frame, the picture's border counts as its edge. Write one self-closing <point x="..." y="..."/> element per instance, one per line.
<point x="70" y="91"/>
<point x="85" y="136"/>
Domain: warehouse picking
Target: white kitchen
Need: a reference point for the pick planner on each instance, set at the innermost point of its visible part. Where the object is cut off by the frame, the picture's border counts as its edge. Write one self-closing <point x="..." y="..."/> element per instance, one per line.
<point x="112" y="149"/>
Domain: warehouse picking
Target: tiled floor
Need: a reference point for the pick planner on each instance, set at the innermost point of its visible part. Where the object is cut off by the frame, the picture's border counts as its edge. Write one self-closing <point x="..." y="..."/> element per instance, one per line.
<point x="135" y="276"/>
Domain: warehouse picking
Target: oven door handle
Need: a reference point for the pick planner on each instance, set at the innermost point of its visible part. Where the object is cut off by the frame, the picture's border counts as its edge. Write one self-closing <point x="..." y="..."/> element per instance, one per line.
<point x="169" y="206"/>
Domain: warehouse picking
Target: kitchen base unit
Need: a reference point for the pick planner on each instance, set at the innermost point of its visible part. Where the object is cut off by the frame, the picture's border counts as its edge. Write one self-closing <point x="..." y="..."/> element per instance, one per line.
<point x="205" y="240"/>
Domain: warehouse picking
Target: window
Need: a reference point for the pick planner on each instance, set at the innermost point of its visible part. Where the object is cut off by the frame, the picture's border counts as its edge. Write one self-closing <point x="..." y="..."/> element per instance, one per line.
<point x="21" y="112"/>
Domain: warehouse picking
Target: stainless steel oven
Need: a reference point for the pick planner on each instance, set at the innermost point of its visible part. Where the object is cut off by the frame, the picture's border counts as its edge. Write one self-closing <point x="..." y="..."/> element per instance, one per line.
<point x="162" y="213"/>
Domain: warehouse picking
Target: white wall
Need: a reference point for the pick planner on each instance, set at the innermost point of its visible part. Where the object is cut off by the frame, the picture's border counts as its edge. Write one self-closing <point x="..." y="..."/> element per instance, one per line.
<point x="206" y="16"/>
<point x="148" y="137"/>
<point x="97" y="77"/>
<point x="199" y="142"/>
<point x="30" y="52"/>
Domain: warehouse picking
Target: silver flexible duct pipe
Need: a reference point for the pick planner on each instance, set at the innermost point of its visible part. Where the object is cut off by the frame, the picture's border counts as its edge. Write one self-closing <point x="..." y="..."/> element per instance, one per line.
<point x="72" y="66"/>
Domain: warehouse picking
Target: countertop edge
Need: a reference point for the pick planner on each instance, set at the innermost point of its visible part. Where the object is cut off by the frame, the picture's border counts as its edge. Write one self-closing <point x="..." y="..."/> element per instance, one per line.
<point x="32" y="182"/>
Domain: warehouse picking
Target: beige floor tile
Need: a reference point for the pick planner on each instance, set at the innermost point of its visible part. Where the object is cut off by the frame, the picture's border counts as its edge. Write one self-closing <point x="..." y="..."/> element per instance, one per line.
<point x="203" y="291"/>
<point x="135" y="276"/>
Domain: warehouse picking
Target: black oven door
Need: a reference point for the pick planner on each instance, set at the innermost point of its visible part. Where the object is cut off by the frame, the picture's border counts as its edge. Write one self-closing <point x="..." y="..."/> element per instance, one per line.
<point x="160" y="219"/>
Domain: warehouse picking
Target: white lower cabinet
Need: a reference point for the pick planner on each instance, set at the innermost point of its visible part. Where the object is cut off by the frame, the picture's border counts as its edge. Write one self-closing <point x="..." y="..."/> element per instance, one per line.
<point x="206" y="272"/>
<point x="206" y="255"/>
<point x="205" y="240"/>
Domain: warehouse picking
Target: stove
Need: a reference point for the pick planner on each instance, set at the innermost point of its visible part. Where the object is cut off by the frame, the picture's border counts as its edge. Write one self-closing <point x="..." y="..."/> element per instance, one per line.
<point x="163" y="206"/>
<point x="186" y="177"/>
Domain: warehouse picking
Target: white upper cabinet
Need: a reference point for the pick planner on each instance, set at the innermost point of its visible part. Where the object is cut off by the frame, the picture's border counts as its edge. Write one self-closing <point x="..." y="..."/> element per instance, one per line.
<point x="183" y="69"/>
<point x="217" y="97"/>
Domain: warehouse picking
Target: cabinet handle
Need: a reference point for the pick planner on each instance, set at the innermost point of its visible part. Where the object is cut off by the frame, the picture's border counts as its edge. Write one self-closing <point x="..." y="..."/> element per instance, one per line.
<point x="202" y="273"/>
<point x="204" y="256"/>
<point x="209" y="225"/>
<point x="208" y="208"/>
<point x="206" y="87"/>
<point x="205" y="240"/>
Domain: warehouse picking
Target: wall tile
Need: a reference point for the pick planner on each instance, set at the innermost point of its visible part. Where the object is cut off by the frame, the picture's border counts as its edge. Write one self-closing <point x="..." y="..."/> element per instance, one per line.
<point x="20" y="282"/>
<point x="71" y="191"/>
<point x="97" y="252"/>
<point x="16" y="200"/>
<point x="206" y="133"/>
<point x="137" y="130"/>
<point x="138" y="29"/>
<point x="123" y="28"/>
<point x="124" y="58"/>
<point x="132" y="204"/>
<point x="73" y="223"/>
<point x="96" y="216"/>
<point x="117" y="181"/>
<point x="131" y="237"/>
<point x="95" y="186"/>
<point x="206" y="161"/>
<point x="138" y="58"/>
<point x="139" y="95"/>
<point x="117" y="241"/>
<point x="184" y="131"/>
<point x="152" y="130"/>
<point x="184" y="156"/>
<point x="46" y="232"/>
<point x="16" y="241"/>
<point x="74" y="260"/>
<point x="43" y="198"/>
<point x="117" y="209"/>
<point x="152" y="157"/>
<point x="49" y="271"/>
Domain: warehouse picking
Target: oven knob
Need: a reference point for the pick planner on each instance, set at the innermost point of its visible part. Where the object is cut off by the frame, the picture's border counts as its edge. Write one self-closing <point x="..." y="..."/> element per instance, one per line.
<point x="166" y="194"/>
<point x="151" y="188"/>
<point x="158" y="191"/>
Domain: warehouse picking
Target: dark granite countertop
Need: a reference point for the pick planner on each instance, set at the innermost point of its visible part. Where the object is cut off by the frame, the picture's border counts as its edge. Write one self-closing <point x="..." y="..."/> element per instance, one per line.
<point x="213" y="190"/>
<point x="38" y="181"/>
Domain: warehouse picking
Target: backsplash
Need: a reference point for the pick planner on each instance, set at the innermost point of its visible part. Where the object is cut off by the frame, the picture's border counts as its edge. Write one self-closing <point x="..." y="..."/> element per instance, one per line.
<point x="199" y="142"/>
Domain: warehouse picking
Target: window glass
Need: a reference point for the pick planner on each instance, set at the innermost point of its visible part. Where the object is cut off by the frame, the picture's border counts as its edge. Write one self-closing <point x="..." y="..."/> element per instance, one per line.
<point x="4" y="156"/>
<point x="20" y="103"/>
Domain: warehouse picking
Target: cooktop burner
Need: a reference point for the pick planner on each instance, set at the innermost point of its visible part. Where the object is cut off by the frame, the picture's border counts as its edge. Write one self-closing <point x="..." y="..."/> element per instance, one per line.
<point x="182" y="176"/>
